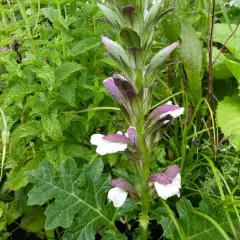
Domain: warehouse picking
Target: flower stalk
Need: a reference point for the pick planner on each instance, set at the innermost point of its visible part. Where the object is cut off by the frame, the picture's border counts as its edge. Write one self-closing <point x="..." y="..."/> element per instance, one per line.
<point x="131" y="87"/>
<point x="144" y="219"/>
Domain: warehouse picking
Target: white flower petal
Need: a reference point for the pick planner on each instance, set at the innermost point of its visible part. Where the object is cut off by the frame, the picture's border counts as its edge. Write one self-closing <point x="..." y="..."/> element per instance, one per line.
<point x="168" y="190"/>
<point x="166" y="121"/>
<point x="176" y="113"/>
<point x="118" y="196"/>
<point x="106" y="147"/>
<point x="96" y="139"/>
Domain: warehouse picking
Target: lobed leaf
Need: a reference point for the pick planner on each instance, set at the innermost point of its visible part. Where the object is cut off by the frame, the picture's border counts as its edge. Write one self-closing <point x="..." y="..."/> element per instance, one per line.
<point x="79" y="195"/>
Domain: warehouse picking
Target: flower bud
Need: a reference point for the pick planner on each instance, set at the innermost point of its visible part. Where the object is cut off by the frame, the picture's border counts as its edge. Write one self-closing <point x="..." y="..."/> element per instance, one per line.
<point x="5" y="136"/>
<point x="116" y="51"/>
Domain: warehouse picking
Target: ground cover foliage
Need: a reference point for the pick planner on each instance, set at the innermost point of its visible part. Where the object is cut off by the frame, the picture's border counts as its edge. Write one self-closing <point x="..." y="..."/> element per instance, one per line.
<point x="52" y="67"/>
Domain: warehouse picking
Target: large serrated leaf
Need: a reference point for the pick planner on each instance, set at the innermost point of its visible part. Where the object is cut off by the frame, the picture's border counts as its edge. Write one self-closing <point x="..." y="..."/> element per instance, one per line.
<point x="228" y="117"/>
<point x="191" y="54"/>
<point x="15" y="93"/>
<point x="68" y="92"/>
<point x="66" y="69"/>
<point x="50" y="13"/>
<point x="51" y="125"/>
<point x="85" y="45"/>
<point x="31" y="128"/>
<point x="46" y="74"/>
<point x="80" y="197"/>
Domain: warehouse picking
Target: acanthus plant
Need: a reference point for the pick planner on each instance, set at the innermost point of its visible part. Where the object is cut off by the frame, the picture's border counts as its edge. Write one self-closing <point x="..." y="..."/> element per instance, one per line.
<point x="132" y="88"/>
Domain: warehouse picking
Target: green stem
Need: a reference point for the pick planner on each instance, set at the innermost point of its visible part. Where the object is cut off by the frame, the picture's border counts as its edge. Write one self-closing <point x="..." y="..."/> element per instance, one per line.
<point x="4" y="143"/>
<point x="218" y="181"/>
<point x="94" y="30"/>
<point x="4" y="19"/>
<point x="175" y="221"/>
<point x="144" y="219"/>
<point x="62" y="33"/>
<point x="3" y="160"/>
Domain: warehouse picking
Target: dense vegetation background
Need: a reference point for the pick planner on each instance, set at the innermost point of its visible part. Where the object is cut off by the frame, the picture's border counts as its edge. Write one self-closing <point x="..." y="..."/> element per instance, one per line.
<point x="52" y="66"/>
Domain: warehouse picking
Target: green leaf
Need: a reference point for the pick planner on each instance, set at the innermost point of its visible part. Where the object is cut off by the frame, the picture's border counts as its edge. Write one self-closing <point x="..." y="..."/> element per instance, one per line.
<point x="78" y="151"/>
<point x="50" y="13"/>
<point x="198" y="228"/>
<point x="111" y="16"/>
<point x="111" y="235"/>
<point x="220" y="69"/>
<point x="66" y="69"/>
<point x="30" y="129"/>
<point x="51" y="125"/>
<point x="16" y="179"/>
<point x="55" y="153"/>
<point x="158" y="61"/>
<point x="34" y="221"/>
<point x="68" y="92"/>
<point x="3" y="216"/>
<point x="222" y="32"/>
<point x="234" y="68"/>
<point x="18" y="206"/>
<point x="171" y="26"/>
<point x="15" y="93"/>
<point x="228" y="117"/>
<point x="191" y="54"/>
<point x="46" y="74"/>
<point x="85" y="45"/>
<point x="80" y="193"/>
<point x="130" y="37"/>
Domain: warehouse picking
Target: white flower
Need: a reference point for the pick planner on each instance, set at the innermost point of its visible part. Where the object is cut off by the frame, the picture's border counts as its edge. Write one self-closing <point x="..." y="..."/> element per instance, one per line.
<point x="174" y="112"/>
<point x="168" y="190"/>
<point x="118" y="196"/>
<point x="104" y="147"/>
<point x="167" y="109"/>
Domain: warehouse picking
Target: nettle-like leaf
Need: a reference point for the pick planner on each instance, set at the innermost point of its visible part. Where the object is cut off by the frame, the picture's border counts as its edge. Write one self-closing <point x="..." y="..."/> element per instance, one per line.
<point x="52" y="126"/>
<point x="46" y="73"/>
<point x="66" y="69"/>
<point x="79" y="198"/>
<point x="228" y="117"/>
<point x="68" y="92"/>
<point x="50" y="13"/>
<point x="85" y="45"/>
<point x="191" y="54"/>
<point x="17" y="92"/>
